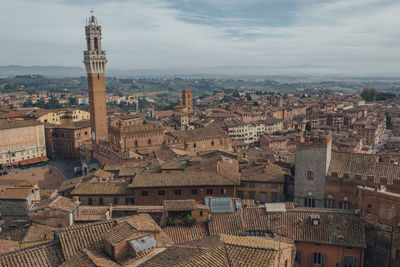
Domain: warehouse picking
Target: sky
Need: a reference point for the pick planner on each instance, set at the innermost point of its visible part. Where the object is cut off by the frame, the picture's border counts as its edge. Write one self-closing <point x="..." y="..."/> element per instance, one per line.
<point x="347" y="37"/>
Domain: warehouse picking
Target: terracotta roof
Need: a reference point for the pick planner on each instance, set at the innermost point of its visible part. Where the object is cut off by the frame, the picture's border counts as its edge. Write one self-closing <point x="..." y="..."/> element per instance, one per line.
<point x="102" y="188"/>
<point x="90" y="258"/>
<point x="180" y="179"/>
<point x="58" y="203"/>
<point x="270" y="172"/>
<point x="103" y="174"/>
<point x="336" y="227"/>
<point x="8" y="246"/>
<point x="362" y="164"/>
<point x="127" y="171"/>
<point x="199" y="133"/>
<point x="226" y="223"/>
<point x="38" y="232"/>
<point x="46" y="255"/>
<point x="77" y="237"/>
<point x="179" y="205"/>
<point x="180" y="234"/>
<point x="11" y="124"/>
<point x="221" y="250"/>
<point x="20" y="193"/>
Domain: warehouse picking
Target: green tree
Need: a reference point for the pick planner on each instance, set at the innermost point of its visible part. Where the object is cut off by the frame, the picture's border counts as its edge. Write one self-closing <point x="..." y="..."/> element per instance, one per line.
<point x="369" y="94"/>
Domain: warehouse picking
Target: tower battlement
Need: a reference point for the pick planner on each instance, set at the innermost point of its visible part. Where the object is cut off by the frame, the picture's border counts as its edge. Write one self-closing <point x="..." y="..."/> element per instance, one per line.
<point x="314" y="138"/>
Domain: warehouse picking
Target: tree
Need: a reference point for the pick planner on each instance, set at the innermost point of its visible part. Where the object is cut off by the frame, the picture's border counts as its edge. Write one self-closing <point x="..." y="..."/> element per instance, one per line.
<point x="369" y="94"/>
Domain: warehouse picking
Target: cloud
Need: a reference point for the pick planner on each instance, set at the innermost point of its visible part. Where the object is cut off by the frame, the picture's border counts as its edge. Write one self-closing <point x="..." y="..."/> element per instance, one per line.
<point x="355" y="37"/>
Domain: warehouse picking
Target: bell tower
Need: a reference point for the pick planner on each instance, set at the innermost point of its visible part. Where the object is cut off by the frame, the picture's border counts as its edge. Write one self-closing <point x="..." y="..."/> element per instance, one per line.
<point x="95" y="62"/>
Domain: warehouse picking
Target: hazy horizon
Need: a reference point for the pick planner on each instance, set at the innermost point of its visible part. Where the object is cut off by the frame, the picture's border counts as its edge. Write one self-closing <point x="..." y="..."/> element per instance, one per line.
<point x="253" y="37"/>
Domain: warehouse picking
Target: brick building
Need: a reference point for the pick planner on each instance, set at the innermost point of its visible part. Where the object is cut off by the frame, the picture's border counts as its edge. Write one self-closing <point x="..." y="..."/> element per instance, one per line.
<point x="197" y="140"/>
<point x="381" y="209"/>
<point x="64" y="141"/>
<point x="16" y="201"/>
<point x="322" y="237"/>
<point x="262" y="182"/>
<point x="57" y="212"/>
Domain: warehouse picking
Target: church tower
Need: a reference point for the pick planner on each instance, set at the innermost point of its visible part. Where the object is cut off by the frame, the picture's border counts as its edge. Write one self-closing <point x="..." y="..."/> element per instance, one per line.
<point x="95" y="62"/>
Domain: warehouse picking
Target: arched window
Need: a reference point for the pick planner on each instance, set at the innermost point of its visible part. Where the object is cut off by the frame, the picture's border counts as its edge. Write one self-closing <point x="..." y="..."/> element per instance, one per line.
<point x="96" y="45"/>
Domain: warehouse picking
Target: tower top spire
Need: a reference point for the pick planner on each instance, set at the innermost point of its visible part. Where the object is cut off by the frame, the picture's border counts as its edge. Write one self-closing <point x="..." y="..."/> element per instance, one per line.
<point x="92" y="21"/>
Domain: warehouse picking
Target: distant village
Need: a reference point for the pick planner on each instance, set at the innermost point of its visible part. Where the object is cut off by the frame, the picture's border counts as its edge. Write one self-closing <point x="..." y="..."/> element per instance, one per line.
<point x="261" y="179"/>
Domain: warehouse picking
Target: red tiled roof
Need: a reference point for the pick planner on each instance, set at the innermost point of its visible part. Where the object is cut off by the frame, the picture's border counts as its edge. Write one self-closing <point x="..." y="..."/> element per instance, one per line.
<point x="38" y="232"/>
<point x="8" y="246"/>
<point x="47" y="255"/>
<point x="181" y="234"/>
<point x="77" y="237"/>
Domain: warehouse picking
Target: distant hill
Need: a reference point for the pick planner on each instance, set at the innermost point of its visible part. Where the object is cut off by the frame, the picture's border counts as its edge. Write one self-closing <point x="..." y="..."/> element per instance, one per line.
<point x="54" y="71"/>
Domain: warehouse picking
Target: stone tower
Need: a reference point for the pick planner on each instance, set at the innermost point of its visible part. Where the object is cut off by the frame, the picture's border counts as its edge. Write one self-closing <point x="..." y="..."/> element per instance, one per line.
<point x="95" y="62"/>
<point x="313" y="156"/>
<point x="187" y="99"/>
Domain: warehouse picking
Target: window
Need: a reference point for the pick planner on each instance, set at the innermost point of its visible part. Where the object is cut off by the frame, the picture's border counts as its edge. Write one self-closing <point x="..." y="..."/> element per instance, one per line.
<point x="194" y="145"/>
<point x="309" y="202"/>
<point x="315" y="222"/>
<point x="149" y="141"/>
<point x="369" y="209"/>
<point x="129" y="201"/>
<point x="194" y="192"/>
<point x="136" y="143"/>
<point x="298" y="257"/>
<point x="90" y="201"/>
<point x="274" y="186"/>
<point x="144" y="193"/>
<point x="222" y="191"/>
<point x="212" y="143"/>
<point x="240" y="194"/>
<point x="210" y="191"/>
<point x="317" y="258"/>
<point x="178" y="192"/>
<point x="161" y="192"/>
<point x="349" y="261"/>
<point x="251" y="185"/>
<point x="310" y="175"/>
<point x="345" y="205"/>
<point x="252" y="194"/>
<point x="201" y="213"/>
<point x="115" y="201"/>
<point x="242" y="184"/>
<point x="101" y="201"/>
<point x="329" y="203"/>
<point x="263" y="186"/>
<point x="274" y="197"/>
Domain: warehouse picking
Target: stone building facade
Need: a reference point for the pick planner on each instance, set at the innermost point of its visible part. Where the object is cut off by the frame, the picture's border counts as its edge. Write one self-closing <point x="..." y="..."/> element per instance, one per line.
<point x="313" y="156"/>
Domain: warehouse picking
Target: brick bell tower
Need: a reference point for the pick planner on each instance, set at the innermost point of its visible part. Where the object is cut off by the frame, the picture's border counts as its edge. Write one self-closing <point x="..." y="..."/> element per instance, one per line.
<point x="95" y="63"/>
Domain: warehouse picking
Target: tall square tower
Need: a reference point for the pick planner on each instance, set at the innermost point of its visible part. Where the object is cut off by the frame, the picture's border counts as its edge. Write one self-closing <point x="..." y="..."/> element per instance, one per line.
<point x="95" y="62"/>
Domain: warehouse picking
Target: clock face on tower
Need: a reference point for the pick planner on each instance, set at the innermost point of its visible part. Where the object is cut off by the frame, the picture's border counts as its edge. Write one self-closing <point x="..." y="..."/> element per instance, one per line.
<point x="93" y="136"/>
